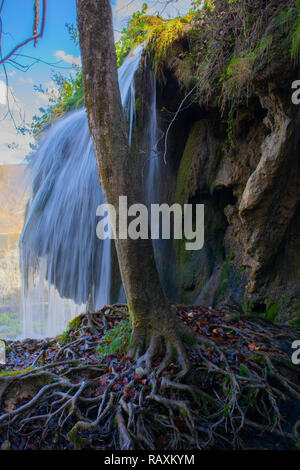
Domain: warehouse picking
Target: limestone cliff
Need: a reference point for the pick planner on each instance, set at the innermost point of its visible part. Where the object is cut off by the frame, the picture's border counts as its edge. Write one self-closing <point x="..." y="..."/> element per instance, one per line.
<point x="251" y="194"/>
<point x="237" y="151"/>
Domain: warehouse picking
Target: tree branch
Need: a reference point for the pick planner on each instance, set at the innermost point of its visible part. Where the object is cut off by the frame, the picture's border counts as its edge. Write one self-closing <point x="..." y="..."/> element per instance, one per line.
<point x="35" y="35"/>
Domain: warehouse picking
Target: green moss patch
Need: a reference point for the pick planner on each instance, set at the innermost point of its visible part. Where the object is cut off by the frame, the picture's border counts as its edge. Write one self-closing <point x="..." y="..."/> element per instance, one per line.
<point x="116" y="341"/>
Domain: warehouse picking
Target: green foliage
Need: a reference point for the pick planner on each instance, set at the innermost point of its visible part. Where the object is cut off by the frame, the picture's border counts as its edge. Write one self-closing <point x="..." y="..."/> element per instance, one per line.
<point x="295" y="323"/>
<point x="116" y="341"/>
<point x="230" y="49"/>
<point x="73" y="32"/>
<point x="230" y="127"/>
<point x="237" y="73"/>
<point x="163" y="40"/>
<point x="159" y="34"/>
<point x="295" y="39"/>
<point x="135" y="33"/>
<point x="70" y="94"/>
<point x="220" y="53"/>
<point x="70" y="97"/>
<point x="288" y="20"/>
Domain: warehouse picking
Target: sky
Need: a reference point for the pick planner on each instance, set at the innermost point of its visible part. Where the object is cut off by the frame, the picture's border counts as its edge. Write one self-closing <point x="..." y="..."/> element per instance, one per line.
<point x="55" y="52"/>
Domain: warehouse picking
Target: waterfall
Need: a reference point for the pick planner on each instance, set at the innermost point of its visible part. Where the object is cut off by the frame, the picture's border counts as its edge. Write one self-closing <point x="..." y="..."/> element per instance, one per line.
<point x="153" y="183"/>
<point x="156" y="175"/>
<point x="61" y="256"/>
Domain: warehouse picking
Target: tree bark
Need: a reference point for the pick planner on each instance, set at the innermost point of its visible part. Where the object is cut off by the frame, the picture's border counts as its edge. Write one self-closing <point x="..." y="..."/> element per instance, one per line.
<point x="151" y="316"/>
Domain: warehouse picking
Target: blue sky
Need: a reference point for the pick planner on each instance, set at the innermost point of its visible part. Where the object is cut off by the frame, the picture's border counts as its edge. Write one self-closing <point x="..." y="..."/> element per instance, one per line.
<point x="56" y="48"/>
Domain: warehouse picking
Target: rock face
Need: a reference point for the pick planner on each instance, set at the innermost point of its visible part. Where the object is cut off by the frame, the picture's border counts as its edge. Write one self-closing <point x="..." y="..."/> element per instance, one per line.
<point x="250" y="187"/>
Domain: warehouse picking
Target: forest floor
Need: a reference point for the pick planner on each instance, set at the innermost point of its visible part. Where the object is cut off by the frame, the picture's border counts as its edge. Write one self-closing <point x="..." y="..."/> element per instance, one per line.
<point x="80" y="390"/>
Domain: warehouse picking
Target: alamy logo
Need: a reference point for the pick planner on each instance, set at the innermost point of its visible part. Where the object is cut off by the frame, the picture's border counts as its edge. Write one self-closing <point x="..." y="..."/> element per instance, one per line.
<point x="296" y="354"/>
<point x="2" y="352"/>
<point x="163" y="222"/>
<point x="296" y="94"/>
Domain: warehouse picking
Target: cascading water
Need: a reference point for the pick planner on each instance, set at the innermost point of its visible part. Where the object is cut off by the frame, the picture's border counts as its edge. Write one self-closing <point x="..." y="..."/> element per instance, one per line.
<point x="155" y="171"/>
<point x="61" y="257"/>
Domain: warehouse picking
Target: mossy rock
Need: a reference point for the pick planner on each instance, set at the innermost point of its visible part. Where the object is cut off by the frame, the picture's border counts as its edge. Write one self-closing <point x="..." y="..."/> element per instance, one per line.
<point x="188" y="173"/>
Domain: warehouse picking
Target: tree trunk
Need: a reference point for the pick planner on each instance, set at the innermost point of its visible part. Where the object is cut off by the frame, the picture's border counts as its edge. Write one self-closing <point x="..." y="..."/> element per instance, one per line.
<point x="150" y="314"/>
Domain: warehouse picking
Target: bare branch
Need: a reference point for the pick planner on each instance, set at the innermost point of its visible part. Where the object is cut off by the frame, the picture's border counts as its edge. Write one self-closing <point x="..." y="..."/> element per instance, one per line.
<point x="35" y="35"/>
<point x="36" y="20"/>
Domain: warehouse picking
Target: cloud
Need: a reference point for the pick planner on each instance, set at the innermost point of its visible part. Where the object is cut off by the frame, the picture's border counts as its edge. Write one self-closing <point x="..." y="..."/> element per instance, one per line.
<point x="68" y="58"/>
<point x="14" y="146"/>
<point x="50" y="91"/>
<point x="2" y="93"/>
<point x="26" y="80"/>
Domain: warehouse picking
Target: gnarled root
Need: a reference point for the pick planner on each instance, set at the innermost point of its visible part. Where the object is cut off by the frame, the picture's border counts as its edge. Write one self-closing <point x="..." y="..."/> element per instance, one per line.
<point x="148" y="344"/>
<point x="142" y="404"/>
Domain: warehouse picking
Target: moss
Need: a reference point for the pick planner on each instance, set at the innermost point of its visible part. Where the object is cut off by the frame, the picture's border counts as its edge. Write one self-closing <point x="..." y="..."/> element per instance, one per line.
<point x="138" y="29"/>
<point x="15" y="372"/>
<point x="247" y="306"/>
<point x="244" y="371"/>
<point x="74" y="324"/>
<point x="226" y="410"/>
<point x="75" y="439"/>
<point x="223" y="289"/>
<point x="187" y="183"/>
<point x="258" y="358"/>
<point x="224" y="285"/>
<point x="188" y="339"/>
<point x="138" y="106"/>
<point x="295" y="323"/>
<point x="273" y="309"/>
<point x="225" y="271"/>
<point x="231" y="256"/>
<point x="162" y="43"/>
<point x="116" y="341"/>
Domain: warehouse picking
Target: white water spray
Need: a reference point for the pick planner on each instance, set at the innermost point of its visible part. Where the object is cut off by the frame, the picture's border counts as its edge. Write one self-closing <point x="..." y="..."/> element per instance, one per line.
<point x="61" y="256"/>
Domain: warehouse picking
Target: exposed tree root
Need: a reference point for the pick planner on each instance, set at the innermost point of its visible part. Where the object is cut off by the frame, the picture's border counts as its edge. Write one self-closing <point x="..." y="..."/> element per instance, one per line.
<point x="233" y="389"/>
<point x="167" y="346"/>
